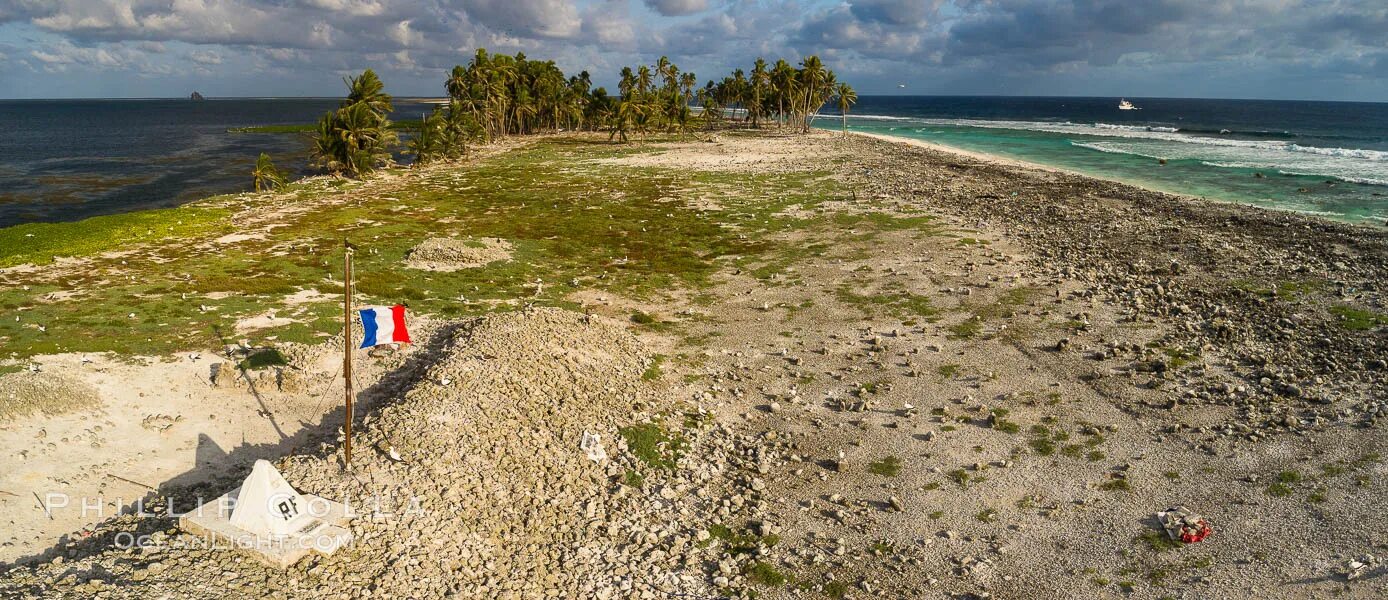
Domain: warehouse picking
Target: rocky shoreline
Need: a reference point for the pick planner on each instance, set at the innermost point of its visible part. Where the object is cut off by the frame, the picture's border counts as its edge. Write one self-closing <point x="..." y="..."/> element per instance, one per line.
<point x="965" y="379"/>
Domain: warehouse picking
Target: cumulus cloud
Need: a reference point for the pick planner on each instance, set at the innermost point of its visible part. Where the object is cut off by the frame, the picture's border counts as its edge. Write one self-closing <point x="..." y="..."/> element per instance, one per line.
<point x="873" y="39"/>
<point x="672" y="8"/>
<point x="540" y="18"/>
<point x="897" y="12"/>
<point x="205" y="58"/>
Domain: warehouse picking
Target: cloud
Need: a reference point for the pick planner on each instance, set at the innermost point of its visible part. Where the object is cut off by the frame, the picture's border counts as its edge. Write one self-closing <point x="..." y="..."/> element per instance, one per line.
<point x="205" y="58"/>
<point x="968" y="44"/>
<point x="538" y="18"/>
<point x="896" y="12"/>
<point x="671" y="8"/>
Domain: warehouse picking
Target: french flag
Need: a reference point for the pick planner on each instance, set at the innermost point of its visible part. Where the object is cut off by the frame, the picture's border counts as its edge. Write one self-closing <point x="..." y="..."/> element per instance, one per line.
<point x="383" y="325"/>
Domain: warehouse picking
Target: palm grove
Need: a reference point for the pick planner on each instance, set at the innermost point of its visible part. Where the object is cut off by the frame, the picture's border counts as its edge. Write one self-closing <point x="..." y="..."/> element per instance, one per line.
<point x="497" y="95"/>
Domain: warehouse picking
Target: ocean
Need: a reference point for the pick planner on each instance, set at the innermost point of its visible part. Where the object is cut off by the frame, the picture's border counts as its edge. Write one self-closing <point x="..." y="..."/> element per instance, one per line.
<point x="63" y="160"/>
<point x="1322" y="158"/>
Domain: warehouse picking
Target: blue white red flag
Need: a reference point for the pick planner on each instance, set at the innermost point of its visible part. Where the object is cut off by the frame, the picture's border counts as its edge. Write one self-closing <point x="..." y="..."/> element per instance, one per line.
<point x="383" y="325"/>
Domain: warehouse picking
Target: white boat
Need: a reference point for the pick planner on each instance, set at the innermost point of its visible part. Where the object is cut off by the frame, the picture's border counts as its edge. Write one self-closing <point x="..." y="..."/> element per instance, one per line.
<point x="1123" y="104"/>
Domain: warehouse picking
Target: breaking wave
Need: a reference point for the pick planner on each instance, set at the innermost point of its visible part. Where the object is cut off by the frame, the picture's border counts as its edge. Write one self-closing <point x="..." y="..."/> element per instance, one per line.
<point x="1362" y="167"/>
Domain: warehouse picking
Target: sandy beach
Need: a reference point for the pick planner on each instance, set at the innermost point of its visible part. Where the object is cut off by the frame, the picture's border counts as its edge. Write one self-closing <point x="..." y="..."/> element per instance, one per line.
<point x="821" y="366"/>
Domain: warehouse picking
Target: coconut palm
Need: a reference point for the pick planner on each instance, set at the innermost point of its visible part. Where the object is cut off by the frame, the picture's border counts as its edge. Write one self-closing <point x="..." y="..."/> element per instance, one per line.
<point x="847" y="98"/>
<point x="758" y="82"/>
<point x="643" y="80"/>
<point x="267" y="177"/>
<point x="356" y="138"/>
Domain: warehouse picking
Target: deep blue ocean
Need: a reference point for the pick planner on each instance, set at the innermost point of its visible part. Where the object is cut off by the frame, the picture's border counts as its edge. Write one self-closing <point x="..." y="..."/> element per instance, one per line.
<point x="1323" y="158"/>
<point x="63" y="160"/>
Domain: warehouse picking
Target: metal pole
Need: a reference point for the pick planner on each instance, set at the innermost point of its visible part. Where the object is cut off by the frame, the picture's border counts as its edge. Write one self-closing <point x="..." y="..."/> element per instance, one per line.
<point x="347" y="349"/>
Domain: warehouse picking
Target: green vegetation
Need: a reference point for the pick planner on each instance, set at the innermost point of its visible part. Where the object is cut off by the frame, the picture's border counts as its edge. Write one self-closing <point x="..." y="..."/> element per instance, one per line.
<point x="40" y="243"/>
<point x="900" y="304"/>
<point x="836" y="589"/>
<point x="1283" y="487"/>
<point x="266" y="176"/>
<point x="642" y="318"/>
<point x="1116" y="485"/>
<point x="737" y="543"/>
<point x="1355" y="319"/>
<point x="987" y="515"/>
<point x="764" y="573"/>
<point x="948" y="371"/>
<point x="607" y="228"/>
<point x="649" y="443"/>
<point x="263" y="359"/>
<point x="966" y="330"/>
<point x="846" y="99"/>
<point x="652" y="371"/>
<point x="887" y="467"/>
<point x="1158" y="540"/>
<point x="997" y="419"/>
<point x="356" y="138"/>
<point x="634" y="479"/>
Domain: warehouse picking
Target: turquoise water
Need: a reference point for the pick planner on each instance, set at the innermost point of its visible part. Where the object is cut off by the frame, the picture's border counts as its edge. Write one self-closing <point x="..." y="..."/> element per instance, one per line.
<point x="1321" y="171"/>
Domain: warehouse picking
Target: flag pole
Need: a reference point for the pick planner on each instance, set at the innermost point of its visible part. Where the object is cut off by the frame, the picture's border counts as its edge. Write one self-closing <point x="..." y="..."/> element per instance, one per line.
<point x="347" y="348"/>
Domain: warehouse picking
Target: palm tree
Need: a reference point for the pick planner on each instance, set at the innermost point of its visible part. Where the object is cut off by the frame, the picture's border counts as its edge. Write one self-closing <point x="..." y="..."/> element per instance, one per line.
<point x="847" y="98"/>
<point x="356" y="138"/>
<point x="267" y="177"/>
<point x="667" y="71"/>
<point x="813" y="77"/>
<point x="643" y="80"/>
<point x="627" y="84"/>
<point x="758" y="82"/>
<point x="784" y="82"/>
<point x="687" y="83"/>
<point x="368" y="89"/>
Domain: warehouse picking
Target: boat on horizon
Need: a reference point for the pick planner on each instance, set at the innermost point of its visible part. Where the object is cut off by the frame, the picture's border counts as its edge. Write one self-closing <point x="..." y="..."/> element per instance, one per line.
<point x="1123" y="104"/>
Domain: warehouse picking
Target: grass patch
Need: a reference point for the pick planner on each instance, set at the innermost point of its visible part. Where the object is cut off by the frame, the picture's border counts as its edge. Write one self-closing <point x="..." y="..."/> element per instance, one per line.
<point x="836" y="589"/>
<point x="1116" y="485"/>
<point x="263" y="359"/>
<point x="948" y="371"/>
<point x="1279" y="490"/>
<point x="641" y="318"/>
<point x="965" y="330"/>
<point x="653" y="371"/>
<point x="649" y="443"/>
<point x="1158" y="541"/>
<point x="39" y="243"/>
<point x="765" y="574"/>
<point x="1356" y="319"/>
<point x="889" y="466"/>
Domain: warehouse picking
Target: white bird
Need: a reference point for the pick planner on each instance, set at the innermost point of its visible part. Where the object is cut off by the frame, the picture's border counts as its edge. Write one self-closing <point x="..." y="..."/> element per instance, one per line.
<point x="395" y="456"/>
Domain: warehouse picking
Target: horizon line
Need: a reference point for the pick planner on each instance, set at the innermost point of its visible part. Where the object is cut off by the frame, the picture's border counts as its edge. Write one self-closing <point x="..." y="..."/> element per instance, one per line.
<point x="435" y="98"/>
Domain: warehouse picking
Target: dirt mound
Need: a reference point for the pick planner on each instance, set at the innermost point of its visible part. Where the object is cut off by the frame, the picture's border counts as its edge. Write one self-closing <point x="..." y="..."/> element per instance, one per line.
<point x="25" y="393"/>
<point x="450" y="254"/>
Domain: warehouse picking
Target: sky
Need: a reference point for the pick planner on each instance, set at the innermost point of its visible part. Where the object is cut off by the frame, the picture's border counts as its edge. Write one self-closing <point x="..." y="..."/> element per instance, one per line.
<point x="1279" y="49"/>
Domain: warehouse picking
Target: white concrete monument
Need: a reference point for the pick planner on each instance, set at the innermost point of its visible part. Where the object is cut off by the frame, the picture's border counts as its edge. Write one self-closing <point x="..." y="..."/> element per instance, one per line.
<point x="270" y="519"/>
